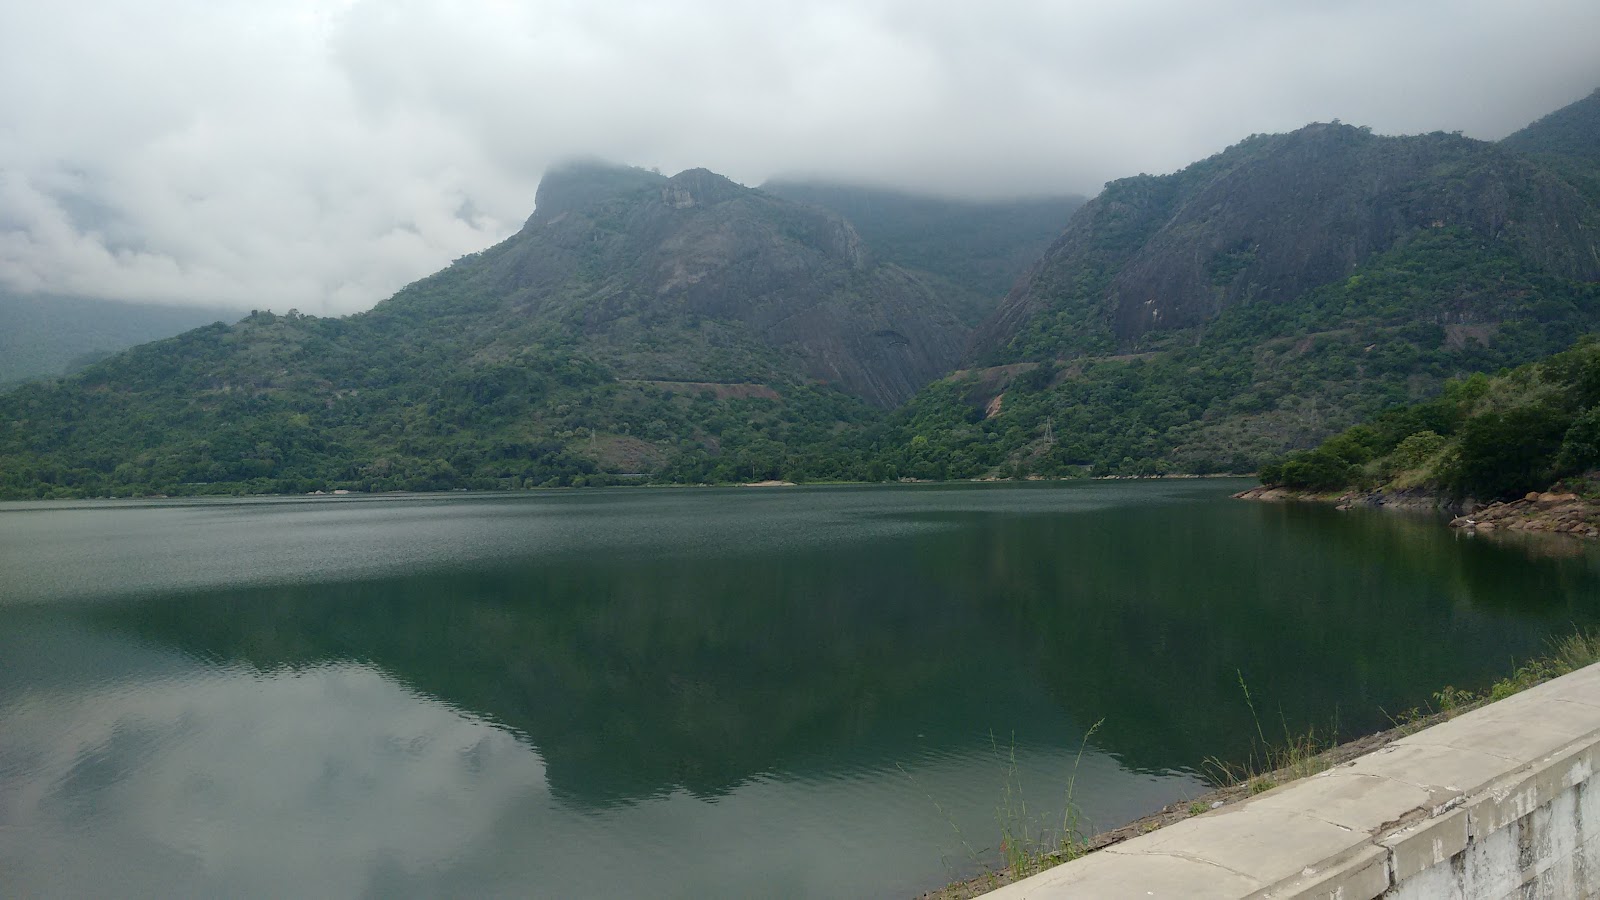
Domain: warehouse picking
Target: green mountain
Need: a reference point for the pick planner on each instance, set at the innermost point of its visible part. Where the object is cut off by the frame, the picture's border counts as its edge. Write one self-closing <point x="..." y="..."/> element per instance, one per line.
<point x="1264" y="298"/>
<point x="636" y="323"/>
<point x="982" y="246"/>
<point x="47" y="336"/>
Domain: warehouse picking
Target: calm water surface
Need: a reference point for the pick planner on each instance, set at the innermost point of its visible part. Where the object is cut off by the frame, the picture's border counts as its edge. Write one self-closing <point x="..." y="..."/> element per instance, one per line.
<point x="807" y="692"/>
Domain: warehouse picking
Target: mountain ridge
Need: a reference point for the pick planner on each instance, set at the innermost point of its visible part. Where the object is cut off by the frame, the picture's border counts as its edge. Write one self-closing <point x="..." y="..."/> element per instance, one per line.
<point x="1272" y="217"/>
<point x="692" y="329"/>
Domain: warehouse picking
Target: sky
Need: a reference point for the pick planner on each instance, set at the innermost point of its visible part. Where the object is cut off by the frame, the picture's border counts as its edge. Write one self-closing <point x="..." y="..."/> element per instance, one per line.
<point x="320" y="154"/>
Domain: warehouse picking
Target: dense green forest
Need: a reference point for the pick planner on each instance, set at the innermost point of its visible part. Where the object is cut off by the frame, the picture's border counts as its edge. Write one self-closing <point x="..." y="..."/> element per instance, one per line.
<point x="192" y="414"/>
<point x="1258" y="378"/>
<point x="1485" y="437"/>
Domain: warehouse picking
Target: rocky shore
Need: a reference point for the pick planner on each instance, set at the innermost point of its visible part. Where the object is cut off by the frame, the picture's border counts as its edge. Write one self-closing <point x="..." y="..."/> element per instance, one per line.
<point x="1547" y="512"/>
<point x="1421" y="501"/>
<point x="1550" y="512"/>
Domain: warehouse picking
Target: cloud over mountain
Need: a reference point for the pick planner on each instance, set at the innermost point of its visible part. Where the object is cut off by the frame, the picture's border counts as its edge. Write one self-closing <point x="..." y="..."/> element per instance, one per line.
<point x="321" y="154"/>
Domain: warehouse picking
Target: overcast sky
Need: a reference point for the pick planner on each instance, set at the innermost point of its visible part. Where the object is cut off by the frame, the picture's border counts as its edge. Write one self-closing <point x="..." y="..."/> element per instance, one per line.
<point x="319" y="155"/>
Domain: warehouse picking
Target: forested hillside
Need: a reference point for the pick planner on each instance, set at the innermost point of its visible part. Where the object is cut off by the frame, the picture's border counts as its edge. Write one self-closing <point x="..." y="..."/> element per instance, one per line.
<point x="1484" y="437"/>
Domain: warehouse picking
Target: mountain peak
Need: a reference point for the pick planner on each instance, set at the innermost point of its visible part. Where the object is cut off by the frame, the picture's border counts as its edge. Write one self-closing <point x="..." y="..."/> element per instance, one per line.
<point x="580" y="183"/>
<point x="699" y="187"/>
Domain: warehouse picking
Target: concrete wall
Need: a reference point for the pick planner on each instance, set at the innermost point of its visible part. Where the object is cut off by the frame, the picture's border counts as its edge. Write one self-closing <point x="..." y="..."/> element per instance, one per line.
<point x="1498" y="802"/>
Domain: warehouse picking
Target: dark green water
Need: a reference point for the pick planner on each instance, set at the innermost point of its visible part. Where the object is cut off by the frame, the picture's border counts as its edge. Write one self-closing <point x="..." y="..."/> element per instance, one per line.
<point x="799" y="692"/>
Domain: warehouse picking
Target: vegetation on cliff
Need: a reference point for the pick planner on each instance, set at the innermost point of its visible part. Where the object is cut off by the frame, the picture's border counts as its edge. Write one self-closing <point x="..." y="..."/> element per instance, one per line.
<point x="1263" y="376"/>
<point x="1568" y="140"/>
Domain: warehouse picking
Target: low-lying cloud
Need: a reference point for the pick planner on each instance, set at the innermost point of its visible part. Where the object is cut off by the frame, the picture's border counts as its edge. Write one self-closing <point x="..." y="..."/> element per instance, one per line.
<point x="321" y="154"/>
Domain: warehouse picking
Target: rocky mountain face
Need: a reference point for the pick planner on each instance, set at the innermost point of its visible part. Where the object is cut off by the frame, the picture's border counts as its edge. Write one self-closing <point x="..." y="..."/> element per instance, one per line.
<point x="1268" y="220"/>
<point x="695" y="278"/>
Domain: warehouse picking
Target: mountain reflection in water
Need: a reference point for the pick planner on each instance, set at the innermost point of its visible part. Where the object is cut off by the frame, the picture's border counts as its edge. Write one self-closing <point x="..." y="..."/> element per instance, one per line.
<point x="689" y="692"/>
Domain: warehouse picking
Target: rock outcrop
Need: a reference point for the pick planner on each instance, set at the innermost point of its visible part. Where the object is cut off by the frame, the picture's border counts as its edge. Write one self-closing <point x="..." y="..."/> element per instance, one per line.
<point x="1556" y="513"/>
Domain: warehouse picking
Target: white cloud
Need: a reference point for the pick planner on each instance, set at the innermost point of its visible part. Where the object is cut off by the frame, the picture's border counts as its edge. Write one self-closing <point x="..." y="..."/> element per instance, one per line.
<point x="320" y="155"/>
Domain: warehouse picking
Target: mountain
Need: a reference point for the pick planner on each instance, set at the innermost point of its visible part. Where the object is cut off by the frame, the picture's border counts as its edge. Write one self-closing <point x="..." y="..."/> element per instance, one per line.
<point x="1271" y="218"/>
<point x="695" y="278"/>
<point x="1568" y="140"/>
<point x="636" y="323"/>
<point x="982" y="246"/>
<point x="42" y="336"/>
<point x="1262" y="299"/>
<point x="690" y="329"/>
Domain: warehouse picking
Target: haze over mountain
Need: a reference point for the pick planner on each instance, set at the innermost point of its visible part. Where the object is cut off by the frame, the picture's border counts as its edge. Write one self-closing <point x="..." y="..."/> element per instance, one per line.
<point x="320" y="155"/>
<point x="47" y="336"/>
<point x="983" y="246"/>
<point x="691" y="329"/>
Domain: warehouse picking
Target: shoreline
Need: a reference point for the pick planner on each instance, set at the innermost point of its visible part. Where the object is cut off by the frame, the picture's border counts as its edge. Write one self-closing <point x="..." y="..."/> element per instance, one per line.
<point x="1537" y="512"/>
<point x="348" y="493"/>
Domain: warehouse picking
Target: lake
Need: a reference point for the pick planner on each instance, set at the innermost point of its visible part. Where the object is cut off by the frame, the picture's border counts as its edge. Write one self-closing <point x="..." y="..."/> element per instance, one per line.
<point x="793" y="692"/>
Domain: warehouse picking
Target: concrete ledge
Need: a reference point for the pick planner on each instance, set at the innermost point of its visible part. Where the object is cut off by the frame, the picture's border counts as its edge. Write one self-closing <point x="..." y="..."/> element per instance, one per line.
<point x="1496" y="801"/>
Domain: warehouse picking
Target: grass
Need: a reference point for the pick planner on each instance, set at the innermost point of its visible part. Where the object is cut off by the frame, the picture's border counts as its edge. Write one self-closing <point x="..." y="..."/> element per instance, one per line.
<point x="1567" y="654"/>
<point x="1300" y="755"/>
<point x="1027" y="846"/>
<point x="1271" y="763"/>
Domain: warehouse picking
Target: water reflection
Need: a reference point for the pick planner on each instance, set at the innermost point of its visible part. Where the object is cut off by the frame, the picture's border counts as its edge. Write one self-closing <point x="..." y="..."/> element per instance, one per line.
<point x="336" y="780"/>
<point x="691" y="693"/>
